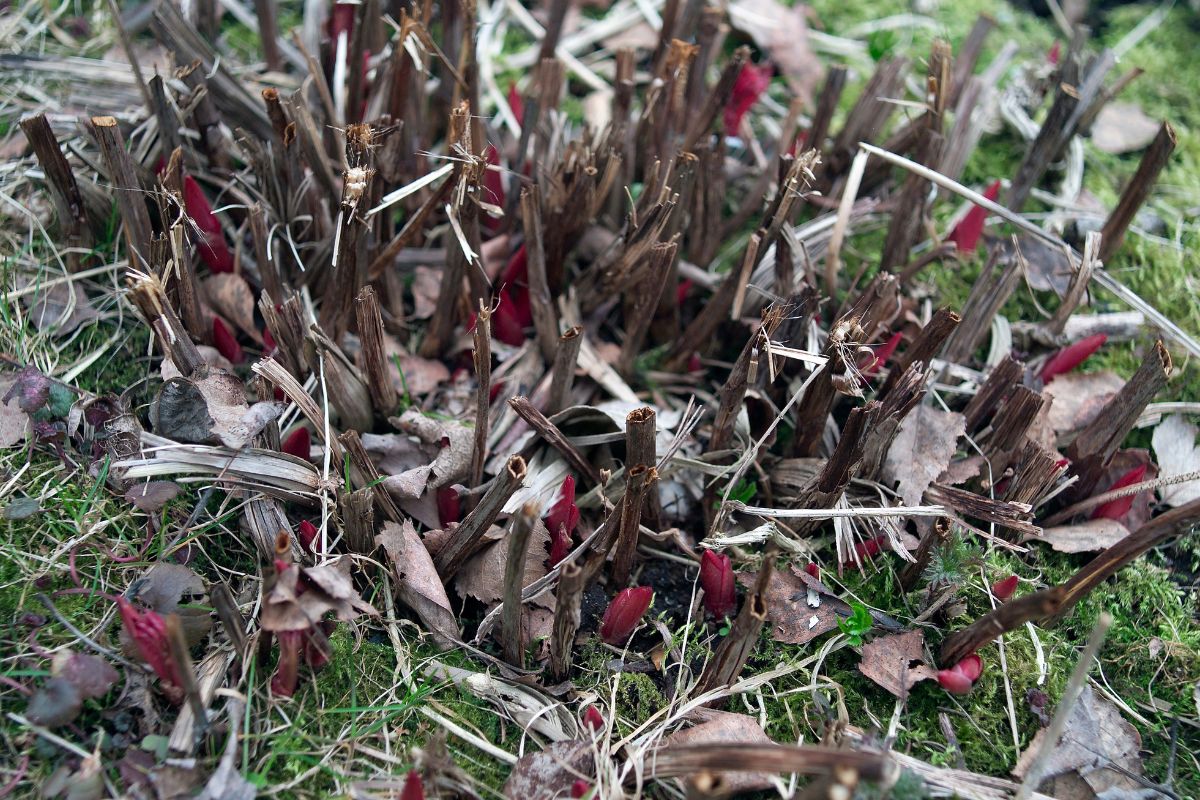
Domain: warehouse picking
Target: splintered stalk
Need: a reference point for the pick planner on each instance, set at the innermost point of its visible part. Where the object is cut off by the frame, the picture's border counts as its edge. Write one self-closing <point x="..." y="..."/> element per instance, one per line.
<point x="639" y="481"/>
<point x="481" y="357"/>
<point x="514" y="567"/>
<point x="572" y="580"/>
<point x="554" y="437"/>
<point x="374" y="356"/>
<point x="464" y="538"/>
<point x="562" y="378"/>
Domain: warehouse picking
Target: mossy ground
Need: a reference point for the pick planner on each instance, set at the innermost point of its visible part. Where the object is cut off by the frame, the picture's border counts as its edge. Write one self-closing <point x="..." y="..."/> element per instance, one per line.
<point x="339" y="721"/>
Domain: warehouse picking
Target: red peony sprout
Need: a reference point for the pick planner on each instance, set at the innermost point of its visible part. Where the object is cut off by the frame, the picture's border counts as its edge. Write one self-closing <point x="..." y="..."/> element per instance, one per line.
<point x="213" y="250"/>
<point x="307" y="534"/>
<point x="516" y="103"/>
<point x="148" y="631"/>
<point x="1118" y="508"/>
<point x="871" y="365"/>
<point x="449" y="507"/>
<point x="298" y="443"/>
<point x="751" y="82"/>
<point x="962" y="676"/>
<point x="1071" y="356"/>
<point x="624" y="613"/>
<point x="716" y="578"/>
<point x="812" y="569"/>
<point x="506" y="320"/>
<point x="226" y="343"/>
<point x="414" y="788"/>
<point x="969" y="230"/>
<point x="580" y="788"/>
<point x="1003" y="589"/>
<point x="564" y="512"/>
<point x="593" y="719"/>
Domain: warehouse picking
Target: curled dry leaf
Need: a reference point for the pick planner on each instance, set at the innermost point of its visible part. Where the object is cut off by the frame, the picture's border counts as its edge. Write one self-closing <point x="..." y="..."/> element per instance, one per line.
<point x="233" y="299"/>
<point x="152" y="496"/>
<point x="396" y="453"/>
<point x="209" y="410"/>
<point x="333" y="578"/>
<point x="482" y="576"/>
<point x="723" y="727"/>
<point x="1174" y="443"/>
<point x="62" y="308"/>
<point x="327" y="588"/>
<point x="793" y="617"/>
<point x="209" y="355"/>
<point x="549" y="773"/>
<point x="173" y="589"/>
<point x="421" y="375"/>
<point x="453" y="439"/>
<point x="1123" y="128"/>
<point x="896" y="662"/>
<point x="91" y="675"/>
<point x="1049" y="268"/>
<point x="922" y="450"/>
<point x="1097" y="744"/>
<point x="14" y="422"/>
<point x="417" y="583"/>
<point x="1077" y="397"/>
<point x="1084" y="537"/>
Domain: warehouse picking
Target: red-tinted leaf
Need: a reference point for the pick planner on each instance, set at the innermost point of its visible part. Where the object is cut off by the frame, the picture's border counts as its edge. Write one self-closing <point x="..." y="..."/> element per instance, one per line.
<point x="212" y="248"/>
<point x="751" y="82"/>
<point x="560" y="546"/>
<point x="226" y="343"/>
<point x="307" y="534"/>
<point x="564" y="512"/>
<point x="966" y="234"/>
<point x="813" y="570"/>
<point x="716" y="578"/>
<point x="298" y="443"/>
<point x="624" y="613"/>
<point x="148" y="631"/>
<point x="1117" y="509"/>
<point x="506" y="323"/>
<point x="1071" y="356"/>
<point x="31" y="389"/>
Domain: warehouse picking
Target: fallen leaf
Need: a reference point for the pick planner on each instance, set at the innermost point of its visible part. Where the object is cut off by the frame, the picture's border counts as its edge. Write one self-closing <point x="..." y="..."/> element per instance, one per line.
<point x="209" y="355"/>
<point x="723" y="727"/>
<point x="1048" y="269"/>
<point x="640" y="37"/>
<point x="417" y="583"/>
<point x="410" y="484"/>
<point x="1121" y="463"/>
<point x="426" y="286"/>
<point x="782" y="33"/>
<point x="1084" y="537"/>
<point x="173" y="589"/>
<point x="1123" y="128"/>
<point x="421" y="375"/>
<point x="396" y="453"/>
<point x="333" y="578"/>
<point x="14" y="422"/>
<point x="922" y="450"/>
<point x="30" y="389"/>
<point x="454" y="440"/>
<point x="889" y="661"/>
<point x="482" y="576"/>
<point x="1077" y="397"/>
<point x="961" y="471"/>
<point x="62" y="308"/>
<point x="549" y="773"/>
<point x="793" y="620"/>
<point x="1096" y="743"/>
<point x="56" y="702"/>
<point x="22" y="508"/>
<point x="91" y="675"/>
<point x="152" y="496"/>
<point x="210" y="410"/>
<point x="233" y="299"/>
<point x="1174" y="443"/>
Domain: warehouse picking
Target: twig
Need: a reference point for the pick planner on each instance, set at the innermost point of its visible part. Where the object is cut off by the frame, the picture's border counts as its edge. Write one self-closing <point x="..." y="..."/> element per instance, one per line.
<point x="734" y="650"/>
<point x="541" y="306"/>
<point x="639" y="480"/>
<point x="187" y="673"/>
<point x="514" y="568"/>
<point x="373" y="356"/>
<point x="481" y="357"/>
<point x="1154" y="160"/>
<point x="463" y="539"/>
<point x="554" y="437"/>
<point x="567" y="603"/>
<point x="562" y="377"/>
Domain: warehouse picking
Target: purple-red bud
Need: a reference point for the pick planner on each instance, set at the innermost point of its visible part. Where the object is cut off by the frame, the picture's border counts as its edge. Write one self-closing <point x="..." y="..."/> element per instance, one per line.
<point x="580" y="788"/>
<point x="716" y="578"/>
<point x="564" y="513"/>
<point x="624" y="613"/>
<point x="593" y="719"/>
<point x="1118" y="508"/>
<point x="298" y="443"/>
<point x="954" y="681"/>
<point x="226" y="343"/>
<point x="148" y="630"/>
<point x="560" y="546"/>
<point x="213" y="250"/>
<point x="414" y="788"/>
<point x="969" y="230"/>
<point x="1072" y="356"/>
<point x="971" y="667"/>
<point x="1003" y="589"/>
<point x="307" y="534"/>
<point x="449" y="507"/>
<point x="749" y="85"/>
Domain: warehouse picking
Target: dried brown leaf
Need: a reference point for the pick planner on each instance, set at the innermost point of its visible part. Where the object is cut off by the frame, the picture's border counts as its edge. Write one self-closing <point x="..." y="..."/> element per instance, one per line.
<point x="1123" y="128"/>
<point x="896" y="662"/>
<point x="723" y="727"/>
<point x="1077" y="397"/>
<point x="210" y="410"/>
<point x="62" y="308"/>
<point x="482" y="576"/>
<point x="14" y="423"/>
<point x="1084" y="537"/>
<point x="333" y="578"/>
<point x="417" y="583"/>
<point x="91" y="675"/>
<point x="396" y="453"/>
<point x="549" y="773"/>
<point x="56" y="702"/>
<point x="233" y="299"/>
<point x="174" y="589"/>
<point x="454" y="440"/>
<point x="922" y="450"/>
<point x="426" y="287"/>
<point x="153" y="495"/>
<point x="792" y="619"/>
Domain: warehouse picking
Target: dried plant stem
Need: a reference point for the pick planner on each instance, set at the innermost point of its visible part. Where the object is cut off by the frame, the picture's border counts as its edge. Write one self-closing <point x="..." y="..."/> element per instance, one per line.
<point x="481" y="356"/>
<point x="830" y="484"/>
<point x="1154" y="160"/>
<point x="744" y="757"/>
<point x="1080" y="280"/>
<point x="924" y="348"/>
<point x="733" y="651"/>
<point x="187" y="672"/>
<point x="373" y="356"/>
<point x="366" y="476"/>
<point x="1003" y="377"/>
<point x="229" y="615"/>
<point x="562" y="377"/>
<point x="68" y="202"/>
<point x="1094" y="445"/>
<point x="146" y="292"/>
<point x="514" y="568"/>
<point x="129" y="194"/>
<point x="541" y="306"/>
<point x="465" y="537"/>
<point x="639" y="481"/>
<point x="358" y="521"/>
<point x="640" y="310"/>
<point x="991" y="291"/>
<point x="999" y="621"/>
<point x="567" y="603"/>
<point x="554" y="437"/>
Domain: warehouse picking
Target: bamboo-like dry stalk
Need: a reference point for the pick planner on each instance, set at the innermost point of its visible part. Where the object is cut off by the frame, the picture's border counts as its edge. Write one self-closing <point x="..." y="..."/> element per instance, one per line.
<point x="554" y="437"/>
<point x="464" y="538"/>
<point x="519" y="531"/>
<point x="733" y="651"/>
<point x="562" y="376"/>
<point x="481" y="357"/>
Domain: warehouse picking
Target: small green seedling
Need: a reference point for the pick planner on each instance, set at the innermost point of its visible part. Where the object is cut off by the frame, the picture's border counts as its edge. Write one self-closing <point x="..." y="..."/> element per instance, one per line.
<point x="856" y="625"/>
